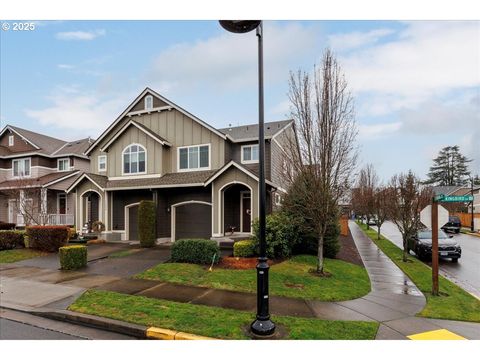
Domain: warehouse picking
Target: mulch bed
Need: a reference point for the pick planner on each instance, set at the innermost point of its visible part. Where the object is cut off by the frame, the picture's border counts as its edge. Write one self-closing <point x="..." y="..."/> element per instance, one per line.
<point x="231" y="262"/>
<point x="348" y="250"/>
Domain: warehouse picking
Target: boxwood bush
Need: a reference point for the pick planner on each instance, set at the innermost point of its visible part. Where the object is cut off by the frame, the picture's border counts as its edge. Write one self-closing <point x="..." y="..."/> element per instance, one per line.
<point x="72" y="257"/>
<point x="244" y="248"/>
<point x="11" y="239"/>
<point x="47" y="238"/>
<point x="195" y="251"/>
<point x="146" y="223"/>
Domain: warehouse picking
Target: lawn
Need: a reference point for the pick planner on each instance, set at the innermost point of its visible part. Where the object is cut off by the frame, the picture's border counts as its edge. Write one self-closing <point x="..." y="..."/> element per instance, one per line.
<point x="291" y="278"/>
<point x="210" y="321"/>
<point x="10" y="256"/>
<point x="454" y="303"/>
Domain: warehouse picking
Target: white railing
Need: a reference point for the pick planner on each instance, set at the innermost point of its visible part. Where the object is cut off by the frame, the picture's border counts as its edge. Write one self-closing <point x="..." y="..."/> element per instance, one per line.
<point x="50" y="219"/>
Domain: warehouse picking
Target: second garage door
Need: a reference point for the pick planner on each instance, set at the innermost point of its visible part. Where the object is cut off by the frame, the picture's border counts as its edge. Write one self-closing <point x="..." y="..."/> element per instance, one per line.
<point x="193" y="220"/>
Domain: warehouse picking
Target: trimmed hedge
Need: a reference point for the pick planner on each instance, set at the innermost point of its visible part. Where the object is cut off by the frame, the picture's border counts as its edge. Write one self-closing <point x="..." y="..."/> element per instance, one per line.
<point x="47" y="238"/>
<point x="7" y="226"/>
<point x="195" y="251"/>
<point x="146" y="223"/>
<point x="244" y="248"/>
<point x="72" y="257"/>
<point x="11" y="239"/>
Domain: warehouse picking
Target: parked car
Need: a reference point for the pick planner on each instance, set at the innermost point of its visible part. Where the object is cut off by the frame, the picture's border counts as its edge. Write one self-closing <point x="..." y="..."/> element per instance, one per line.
<point x="454" y="224"/>
<point x="421" y="245"/>
<point x="372" y="221"/>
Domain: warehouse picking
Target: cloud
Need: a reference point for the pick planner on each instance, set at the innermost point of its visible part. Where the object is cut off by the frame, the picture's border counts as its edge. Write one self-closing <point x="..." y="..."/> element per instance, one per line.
<point x="353" y="40"/>
<point x="65" y="66"/>
<point x="80" y="35"/>
<point x="230" y="60"/>
<point x="375" y="131"/>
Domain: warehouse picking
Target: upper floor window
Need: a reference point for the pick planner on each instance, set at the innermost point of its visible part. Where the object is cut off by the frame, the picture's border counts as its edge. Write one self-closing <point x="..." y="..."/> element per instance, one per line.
<point x="21" y="168"/>
<point x="249" y="154"/>
<point x="149" y="102"/>
<point x="195" y="157"/>
<point x="63" y="164"/>
<point x="134" y="159"/>
<point x="102" y="163"/>
<point x="11" y="140"/>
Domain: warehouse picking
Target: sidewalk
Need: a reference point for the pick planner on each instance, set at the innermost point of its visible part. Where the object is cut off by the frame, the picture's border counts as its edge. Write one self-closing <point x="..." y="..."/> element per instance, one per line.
<point x="393" y="301"/>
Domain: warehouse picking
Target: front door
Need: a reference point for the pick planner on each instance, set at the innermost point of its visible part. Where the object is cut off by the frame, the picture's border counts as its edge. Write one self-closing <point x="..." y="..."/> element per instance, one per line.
<point x="246" y="212"/>
<point x="62" y="204"/>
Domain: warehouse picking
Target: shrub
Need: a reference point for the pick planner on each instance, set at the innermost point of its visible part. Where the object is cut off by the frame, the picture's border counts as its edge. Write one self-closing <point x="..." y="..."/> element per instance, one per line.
<point x="281" y="235"/>
<point x="47" y="238"/>
<point x="244" y="248"/>
<point x="308" y="243"/>
<point x="72" y="257"/>
<point x="11" y="239"/>
<point x="146" y="223"/>
<point x="7" y="226"/>
<point x="195" y="251"/>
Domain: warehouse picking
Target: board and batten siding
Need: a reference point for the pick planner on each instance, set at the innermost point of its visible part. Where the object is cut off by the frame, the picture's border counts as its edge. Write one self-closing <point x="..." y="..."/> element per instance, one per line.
<point x="279" y="154"/>
<point x="177" y="128"/>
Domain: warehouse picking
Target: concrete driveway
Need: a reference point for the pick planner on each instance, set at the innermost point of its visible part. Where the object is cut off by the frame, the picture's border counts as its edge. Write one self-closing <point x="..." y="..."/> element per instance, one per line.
<point x="465" y="273"/>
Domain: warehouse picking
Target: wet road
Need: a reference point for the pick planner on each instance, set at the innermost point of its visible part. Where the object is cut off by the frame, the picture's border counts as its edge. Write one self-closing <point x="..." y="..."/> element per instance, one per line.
<point x="12" y="330"/>
<point x="465" y="273"/>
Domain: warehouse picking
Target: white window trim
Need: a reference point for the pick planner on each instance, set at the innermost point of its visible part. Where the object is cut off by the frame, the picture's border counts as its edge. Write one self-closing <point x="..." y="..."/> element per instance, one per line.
<point x="199" y="168"/>
<point x="145" y="102"/>
<point x="123" y="165"/>
<point x="278" y="199"/>
<point x="249" y="161"/>
<point x="104" y="157"/>
<point x="11" y="140"/>
<point x="13" y="168"/>
<point x="58" y="164"/>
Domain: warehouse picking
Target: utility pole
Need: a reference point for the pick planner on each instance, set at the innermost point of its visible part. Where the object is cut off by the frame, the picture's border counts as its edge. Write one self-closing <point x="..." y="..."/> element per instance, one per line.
<point x="434" y="247"/>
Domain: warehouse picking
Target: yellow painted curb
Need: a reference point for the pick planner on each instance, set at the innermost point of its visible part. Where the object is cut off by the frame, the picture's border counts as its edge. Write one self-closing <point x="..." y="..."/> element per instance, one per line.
<point x="441" y="334"/>
<point x="167" y="334"/>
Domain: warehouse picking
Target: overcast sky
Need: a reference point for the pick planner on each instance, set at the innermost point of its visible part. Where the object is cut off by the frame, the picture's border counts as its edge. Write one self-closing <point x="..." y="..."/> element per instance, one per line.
<point x="415" y="84"/>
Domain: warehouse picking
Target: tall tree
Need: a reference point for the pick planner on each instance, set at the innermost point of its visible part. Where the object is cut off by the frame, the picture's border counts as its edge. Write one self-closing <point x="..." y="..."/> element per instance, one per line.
<point x="381" y="205"/>
<point x="325" y="153"/>
<point x="366" y="184"/>
<point x="449" y="168"/>
<point x="406" y="199"/>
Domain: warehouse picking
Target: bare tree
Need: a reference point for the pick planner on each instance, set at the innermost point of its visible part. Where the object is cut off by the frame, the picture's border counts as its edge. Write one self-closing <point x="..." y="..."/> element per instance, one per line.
<point x="324" y="153"/>
<point x="28" y="202"/>
<point x="407" y="198"/>
<point x="366" y="185"/>
<point x="381" y="204"/>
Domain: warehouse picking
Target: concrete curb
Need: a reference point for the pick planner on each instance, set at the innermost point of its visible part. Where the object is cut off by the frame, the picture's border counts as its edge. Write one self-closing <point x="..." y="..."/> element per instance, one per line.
<point x="167" y="334"/>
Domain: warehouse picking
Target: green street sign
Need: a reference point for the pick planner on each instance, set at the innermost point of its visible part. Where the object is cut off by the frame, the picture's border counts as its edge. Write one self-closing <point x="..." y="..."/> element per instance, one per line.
<point x="463" y="198"/>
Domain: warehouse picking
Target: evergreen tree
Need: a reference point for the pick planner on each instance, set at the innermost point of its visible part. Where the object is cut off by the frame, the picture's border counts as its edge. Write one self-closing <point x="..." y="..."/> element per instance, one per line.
<point x="449" y="168"/>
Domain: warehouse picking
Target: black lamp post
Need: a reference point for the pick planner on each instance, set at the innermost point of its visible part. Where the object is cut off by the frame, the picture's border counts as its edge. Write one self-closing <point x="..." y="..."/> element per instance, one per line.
<point x="262" y="325"/>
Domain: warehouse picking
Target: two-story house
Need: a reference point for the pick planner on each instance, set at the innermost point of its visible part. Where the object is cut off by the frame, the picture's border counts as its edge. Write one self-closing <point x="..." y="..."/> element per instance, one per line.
<point x="35" y="171"/>
<point x="203" y="180"/>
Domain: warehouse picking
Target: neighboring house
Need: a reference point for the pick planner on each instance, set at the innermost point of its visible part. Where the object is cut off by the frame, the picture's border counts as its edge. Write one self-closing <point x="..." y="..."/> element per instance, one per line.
<point x="35" y="171"/>
<point x="204" y="180"/>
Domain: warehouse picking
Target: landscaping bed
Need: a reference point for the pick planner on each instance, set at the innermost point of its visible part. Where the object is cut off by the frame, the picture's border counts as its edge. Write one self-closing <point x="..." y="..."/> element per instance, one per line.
<point x="211" y="321"/>
<point x="240" y="263"/>
<point x="291" y="278"/>
<point x="348" y="250"/>
<point x="454" y="303"/>
<point x="14" y="255"/>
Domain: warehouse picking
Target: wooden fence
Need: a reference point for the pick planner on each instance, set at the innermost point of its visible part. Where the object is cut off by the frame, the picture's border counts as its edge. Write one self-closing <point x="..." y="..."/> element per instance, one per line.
<point x="466" y="219"/>
<point x="344" y="225"/>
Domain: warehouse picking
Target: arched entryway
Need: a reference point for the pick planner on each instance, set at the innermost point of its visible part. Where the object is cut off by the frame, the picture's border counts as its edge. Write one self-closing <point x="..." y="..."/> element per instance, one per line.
<point x="91" y="207"/>
<point x="236" y="209"/>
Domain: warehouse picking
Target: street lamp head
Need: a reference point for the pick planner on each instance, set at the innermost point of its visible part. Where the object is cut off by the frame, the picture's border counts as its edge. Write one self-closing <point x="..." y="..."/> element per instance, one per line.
<point x="239" y="26"/>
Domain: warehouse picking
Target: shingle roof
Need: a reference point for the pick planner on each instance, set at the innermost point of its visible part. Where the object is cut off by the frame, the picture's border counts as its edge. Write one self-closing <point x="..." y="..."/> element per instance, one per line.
<point x="35" y="182"/>
<point x="181" y="178"/>
<point x="445" y="190"/>
<point x="77" y="147"/>
<point x="250" y="132"/>
<point x="46" y="143"/>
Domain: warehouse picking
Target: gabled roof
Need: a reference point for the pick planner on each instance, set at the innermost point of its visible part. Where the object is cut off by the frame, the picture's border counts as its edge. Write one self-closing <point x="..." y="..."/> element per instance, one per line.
<point x="142" y="128"/>
<point x="165" y="100"/>
<point x="44" y="144"/>
<point x="238" y="166"/>
<point x="99" y="180"/>
<point x="43" y="181"/>
<point x="445" y="190"/>
<point x="250" y="132"/>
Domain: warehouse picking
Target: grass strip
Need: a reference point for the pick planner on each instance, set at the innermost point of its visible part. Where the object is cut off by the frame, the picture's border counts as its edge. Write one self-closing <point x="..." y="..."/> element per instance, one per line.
<point x="14" y="255"/>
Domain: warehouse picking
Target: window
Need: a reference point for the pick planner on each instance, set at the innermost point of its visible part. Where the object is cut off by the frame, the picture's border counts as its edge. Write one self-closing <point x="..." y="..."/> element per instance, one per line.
<point x="102" y="163"/>
<point x="194" y="157"/>
<point x="11" y="140"/>
<point x="249" y="154"/>
<point x="21" y="168"/>
<point x="149" y="102"/>
<point x="278" y="199"/>
<point x="63" y="164"/>
<point x="134" y="159"/>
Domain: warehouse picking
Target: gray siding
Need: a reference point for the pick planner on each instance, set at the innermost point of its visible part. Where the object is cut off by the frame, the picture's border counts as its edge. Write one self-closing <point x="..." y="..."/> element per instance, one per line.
<point x="235" y="153"/>
<point x="122" y="199"/>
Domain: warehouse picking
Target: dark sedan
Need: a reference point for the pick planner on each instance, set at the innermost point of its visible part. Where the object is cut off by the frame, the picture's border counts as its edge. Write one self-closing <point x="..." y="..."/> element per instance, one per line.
<point x="421" y="245"/>
<point x="454" y="224"/>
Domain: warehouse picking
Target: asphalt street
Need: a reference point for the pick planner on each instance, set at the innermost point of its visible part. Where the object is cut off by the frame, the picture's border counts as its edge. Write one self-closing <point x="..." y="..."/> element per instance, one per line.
<point x="465" y="273"/>
<point x="13" y="330"/>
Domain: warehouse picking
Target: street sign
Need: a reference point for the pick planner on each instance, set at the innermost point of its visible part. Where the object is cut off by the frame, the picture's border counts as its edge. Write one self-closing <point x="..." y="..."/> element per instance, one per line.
<point x="426" y="216"/>
<point x="451" y="198"/>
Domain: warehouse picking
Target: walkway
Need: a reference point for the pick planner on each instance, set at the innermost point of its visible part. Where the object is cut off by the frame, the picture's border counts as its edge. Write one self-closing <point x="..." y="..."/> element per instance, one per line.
<point x="393" y="301"/>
